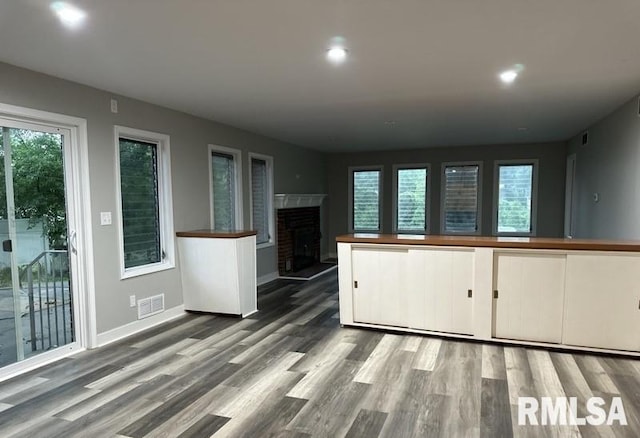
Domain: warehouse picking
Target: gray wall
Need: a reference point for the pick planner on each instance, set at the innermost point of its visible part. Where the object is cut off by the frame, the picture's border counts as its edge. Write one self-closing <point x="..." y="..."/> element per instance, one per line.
<point x="296" y="170"/>
<point x="551" y="182"/>
<point x="610" y="166"/>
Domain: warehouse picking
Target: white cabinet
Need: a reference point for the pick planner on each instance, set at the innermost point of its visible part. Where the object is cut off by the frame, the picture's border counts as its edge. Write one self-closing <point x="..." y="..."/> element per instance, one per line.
<point x="425" y="289"/>
<point x="218" y="273"/>
<point x="440" y="290"/>
<point x="564" y="293"/>
<point x="603" y="300"/>
<point x="530" y="290"/>
<point x="379" y="286"/>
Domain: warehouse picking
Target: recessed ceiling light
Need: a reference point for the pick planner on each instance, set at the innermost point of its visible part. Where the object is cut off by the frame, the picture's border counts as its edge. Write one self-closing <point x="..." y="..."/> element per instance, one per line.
<point x="337" y="54"/>
<point x="508" y="76"/>
<point x="68" y="14"/>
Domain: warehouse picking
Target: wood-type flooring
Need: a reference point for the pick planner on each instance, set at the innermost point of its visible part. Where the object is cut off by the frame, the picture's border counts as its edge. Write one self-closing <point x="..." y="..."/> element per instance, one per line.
<point x="291" y="371"/>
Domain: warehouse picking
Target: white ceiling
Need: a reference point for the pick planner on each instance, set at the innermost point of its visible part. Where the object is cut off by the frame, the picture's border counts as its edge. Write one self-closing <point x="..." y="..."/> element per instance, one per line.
<point x="429" y="66"/>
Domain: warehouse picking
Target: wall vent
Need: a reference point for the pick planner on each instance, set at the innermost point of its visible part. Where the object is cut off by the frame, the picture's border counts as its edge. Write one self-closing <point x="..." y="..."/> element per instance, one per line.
<point x="585" y="138"/>
<point x="150" y="306"/>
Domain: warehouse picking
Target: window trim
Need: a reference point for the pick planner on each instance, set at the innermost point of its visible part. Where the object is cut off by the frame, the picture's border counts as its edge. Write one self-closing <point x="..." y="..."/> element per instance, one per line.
<point x="353" y="169"/>
<point x="165" y="201"/>
<point x="237" y="164"/>
<point x="270" y="196"/>
<point x="394" y="195"/>
<point x="444" y="166"/>
<point x="534" y="195"/>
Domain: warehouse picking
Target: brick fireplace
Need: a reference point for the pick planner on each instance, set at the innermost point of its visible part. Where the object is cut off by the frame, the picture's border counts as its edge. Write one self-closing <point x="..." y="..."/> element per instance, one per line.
<point x="298" y="238"/>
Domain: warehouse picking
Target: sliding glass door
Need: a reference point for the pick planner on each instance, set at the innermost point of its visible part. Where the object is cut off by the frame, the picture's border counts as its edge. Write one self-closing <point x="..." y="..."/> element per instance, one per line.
<point x="36" y="292"/>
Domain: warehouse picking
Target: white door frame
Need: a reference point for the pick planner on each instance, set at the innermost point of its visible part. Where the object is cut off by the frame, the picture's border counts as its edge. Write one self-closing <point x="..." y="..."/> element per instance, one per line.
<point x="570" y="199"/>
<point x="77" y="177"/>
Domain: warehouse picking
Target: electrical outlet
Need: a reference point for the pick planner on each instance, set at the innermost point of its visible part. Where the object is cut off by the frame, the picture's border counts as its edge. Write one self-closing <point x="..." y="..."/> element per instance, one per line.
<point x="105" y="218"/>
<point x="132" y="301"/>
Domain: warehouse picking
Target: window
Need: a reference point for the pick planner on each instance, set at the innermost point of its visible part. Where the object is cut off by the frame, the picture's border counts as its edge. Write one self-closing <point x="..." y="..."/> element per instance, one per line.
<point x="262" y="198"/>
<point x="461" y="198"/>
<point x="514" y="197"/>
<point x="225" y="187"/>
<point x="411" y="199"/>
<point x="365" y="206"/>
<point x="144" y="209"/>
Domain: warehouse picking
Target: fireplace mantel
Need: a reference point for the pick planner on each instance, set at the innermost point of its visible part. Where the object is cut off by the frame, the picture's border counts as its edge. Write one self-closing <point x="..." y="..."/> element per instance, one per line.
<point x="293" y="200"/>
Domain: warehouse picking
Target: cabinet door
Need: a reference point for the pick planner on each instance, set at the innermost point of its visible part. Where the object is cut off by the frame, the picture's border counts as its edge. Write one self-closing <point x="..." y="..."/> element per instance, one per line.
<point x="439" y="290"/>
<point x="379" y="289"/>
<point x="603" y="299"/>
<point x="530" y="296"/>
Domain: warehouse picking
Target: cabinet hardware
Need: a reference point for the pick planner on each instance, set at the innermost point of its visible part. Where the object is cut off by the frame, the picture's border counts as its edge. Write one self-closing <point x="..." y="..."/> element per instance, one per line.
<point x="495" y="294"/>
<point x="355" y="284"/>
<point x="469" y="293"/>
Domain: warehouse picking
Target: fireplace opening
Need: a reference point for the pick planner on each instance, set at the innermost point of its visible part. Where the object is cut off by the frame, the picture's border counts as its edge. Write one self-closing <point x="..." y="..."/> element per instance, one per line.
<point x="298" y="239"/>
<point x="304" y="248"/>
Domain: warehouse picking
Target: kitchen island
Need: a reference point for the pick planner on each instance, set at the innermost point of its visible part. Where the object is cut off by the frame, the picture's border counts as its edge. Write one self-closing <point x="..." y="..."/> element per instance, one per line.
<point x="572" y="293"/>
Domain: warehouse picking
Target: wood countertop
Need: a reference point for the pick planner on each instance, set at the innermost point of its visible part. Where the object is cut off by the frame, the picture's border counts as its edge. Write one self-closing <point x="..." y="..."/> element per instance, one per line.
<point x="215" y="234"/>
<point x="493" y="242"/>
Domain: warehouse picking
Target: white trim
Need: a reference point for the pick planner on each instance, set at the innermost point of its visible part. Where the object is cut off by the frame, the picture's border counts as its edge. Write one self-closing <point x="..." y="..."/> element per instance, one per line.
<point x="263" y="279"/>
<point x="298" y="200"/>
<point x="442" y="197"/>
<point x="237" y="164"/>
<point x="134" y="327"/>
<point x="534" y="195"/>
<point x="87" y="304"/>
<point x="270" y="194"/>
<point x="352" y="169"/>
<point x="394" y="196"/>
<point x="570" y="197"/>
<point x="85" y="308"/>
<point x="164" y="197"/>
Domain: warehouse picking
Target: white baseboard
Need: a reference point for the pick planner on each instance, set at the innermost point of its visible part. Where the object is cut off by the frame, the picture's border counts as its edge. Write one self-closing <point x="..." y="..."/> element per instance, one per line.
<point x="267" y="278"/>
<point x="137" y="326"/>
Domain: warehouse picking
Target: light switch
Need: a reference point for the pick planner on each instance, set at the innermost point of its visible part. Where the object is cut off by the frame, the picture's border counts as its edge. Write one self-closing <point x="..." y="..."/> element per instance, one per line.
<point x="114" y="106"/>
<point x="105" y="218"/>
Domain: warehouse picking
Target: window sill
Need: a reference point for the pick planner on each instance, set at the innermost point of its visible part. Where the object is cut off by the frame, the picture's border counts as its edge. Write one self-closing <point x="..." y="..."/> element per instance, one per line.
<point x="144" y="270"/>
<point x="265" y="245"/>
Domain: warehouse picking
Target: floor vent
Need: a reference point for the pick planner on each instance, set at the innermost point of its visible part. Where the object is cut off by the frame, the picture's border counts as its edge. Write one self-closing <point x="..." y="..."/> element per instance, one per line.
<point x="150" y="306"/>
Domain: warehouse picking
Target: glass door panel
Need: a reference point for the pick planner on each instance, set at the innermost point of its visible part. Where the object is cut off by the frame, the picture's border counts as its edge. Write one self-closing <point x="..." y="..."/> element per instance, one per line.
<point x="36" y="300"/>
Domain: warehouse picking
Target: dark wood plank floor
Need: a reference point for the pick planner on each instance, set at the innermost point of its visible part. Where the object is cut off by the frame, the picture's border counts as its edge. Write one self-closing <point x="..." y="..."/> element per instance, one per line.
<point x="292" y="371"/>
